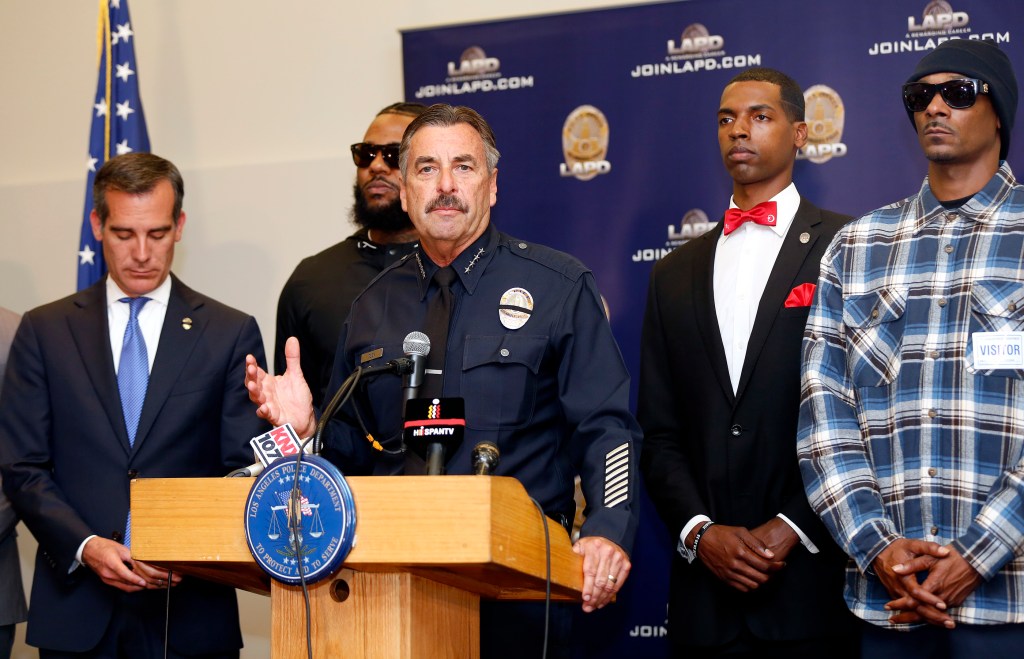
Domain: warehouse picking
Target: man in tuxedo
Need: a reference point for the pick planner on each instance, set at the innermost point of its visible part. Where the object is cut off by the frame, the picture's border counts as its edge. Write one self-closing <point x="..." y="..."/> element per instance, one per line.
<point x="756" y="573"/>
<point x="315" y="300"/>
<point x="137" y="376"/>
<point x="12" y="593"/>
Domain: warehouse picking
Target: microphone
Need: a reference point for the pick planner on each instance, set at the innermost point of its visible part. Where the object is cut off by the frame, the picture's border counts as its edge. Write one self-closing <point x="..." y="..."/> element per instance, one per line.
<point x="281" y="442"/>
<point x="485" y="458"/>
<point x="416" y="347"/>
<point x="434" y="427"/>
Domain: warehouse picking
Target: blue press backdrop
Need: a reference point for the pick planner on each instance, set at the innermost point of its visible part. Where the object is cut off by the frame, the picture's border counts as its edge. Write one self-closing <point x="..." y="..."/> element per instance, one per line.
<point x="655" y="73"/>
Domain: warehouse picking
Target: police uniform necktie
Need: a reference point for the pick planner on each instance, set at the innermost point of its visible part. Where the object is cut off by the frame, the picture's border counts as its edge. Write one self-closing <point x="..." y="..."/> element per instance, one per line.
<point x="132" y="378"/>
<point x="439" y="313"/>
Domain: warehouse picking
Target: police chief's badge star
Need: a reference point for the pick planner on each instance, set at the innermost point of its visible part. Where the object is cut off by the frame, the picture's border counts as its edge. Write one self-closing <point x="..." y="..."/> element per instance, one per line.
<point x="515" y="308"/>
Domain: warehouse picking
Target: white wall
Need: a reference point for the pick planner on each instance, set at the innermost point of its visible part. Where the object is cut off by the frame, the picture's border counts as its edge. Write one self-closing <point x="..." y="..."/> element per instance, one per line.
<point x="256" y="101"/>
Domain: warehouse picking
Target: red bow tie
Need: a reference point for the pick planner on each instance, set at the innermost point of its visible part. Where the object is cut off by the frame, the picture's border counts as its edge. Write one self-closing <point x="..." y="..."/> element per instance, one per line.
<point x="764" y="213"/>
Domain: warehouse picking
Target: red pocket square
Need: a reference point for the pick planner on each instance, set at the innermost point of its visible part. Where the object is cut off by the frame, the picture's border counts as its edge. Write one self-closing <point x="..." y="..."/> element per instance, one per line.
<point x="800" y="296"/>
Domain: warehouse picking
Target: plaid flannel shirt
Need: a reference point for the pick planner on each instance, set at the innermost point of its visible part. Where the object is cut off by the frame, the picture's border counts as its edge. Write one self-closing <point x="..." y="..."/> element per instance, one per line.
<point x="900" y="435"/>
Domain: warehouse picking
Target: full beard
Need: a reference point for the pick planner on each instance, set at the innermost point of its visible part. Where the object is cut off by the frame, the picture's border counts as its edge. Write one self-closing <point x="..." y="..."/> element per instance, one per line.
<point x="389" y="218"/>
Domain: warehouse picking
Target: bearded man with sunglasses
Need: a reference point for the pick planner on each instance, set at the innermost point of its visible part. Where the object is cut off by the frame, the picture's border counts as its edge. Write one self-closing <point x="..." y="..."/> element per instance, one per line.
<point x="316" y="298"/>
<point x="911" y="439"/>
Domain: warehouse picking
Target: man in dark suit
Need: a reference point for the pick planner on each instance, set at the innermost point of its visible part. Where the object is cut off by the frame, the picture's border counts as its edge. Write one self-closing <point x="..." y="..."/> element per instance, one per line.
<point x="138" y="376"/>
<point x="755" y="573"/>
<point x="12" y="592"/>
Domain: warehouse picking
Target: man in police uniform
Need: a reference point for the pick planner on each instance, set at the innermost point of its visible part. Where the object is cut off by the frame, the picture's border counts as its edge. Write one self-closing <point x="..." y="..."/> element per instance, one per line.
<point x="529" y="348"/>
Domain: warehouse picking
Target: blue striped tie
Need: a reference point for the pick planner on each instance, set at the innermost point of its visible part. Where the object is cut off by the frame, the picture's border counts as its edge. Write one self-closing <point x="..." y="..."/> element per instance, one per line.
<point x="133" y="379"/>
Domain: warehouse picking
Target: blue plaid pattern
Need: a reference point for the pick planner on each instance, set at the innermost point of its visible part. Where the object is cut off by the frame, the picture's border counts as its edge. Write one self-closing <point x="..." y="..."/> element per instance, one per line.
<point x="900" y="435"/>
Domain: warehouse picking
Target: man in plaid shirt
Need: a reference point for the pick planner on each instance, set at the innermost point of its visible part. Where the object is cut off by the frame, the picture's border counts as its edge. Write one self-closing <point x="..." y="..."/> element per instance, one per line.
<point x="911" y="435"/>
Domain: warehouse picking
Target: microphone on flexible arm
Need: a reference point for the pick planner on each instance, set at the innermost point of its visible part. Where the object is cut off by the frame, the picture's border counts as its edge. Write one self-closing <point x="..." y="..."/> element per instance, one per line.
<point x="416" y="347"/>
<point x="485" y="458"/>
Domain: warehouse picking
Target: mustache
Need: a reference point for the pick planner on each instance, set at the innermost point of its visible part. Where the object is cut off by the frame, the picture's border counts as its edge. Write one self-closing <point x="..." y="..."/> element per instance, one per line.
<point x="380" y="179"/>
<point x="936" y="124"/>
<point x="447" y="201"/>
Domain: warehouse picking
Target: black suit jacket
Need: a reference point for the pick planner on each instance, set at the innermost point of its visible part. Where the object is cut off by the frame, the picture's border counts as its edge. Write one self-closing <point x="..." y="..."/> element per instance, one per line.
<point x="733" y="457"/>
<point x="67" y="464"/>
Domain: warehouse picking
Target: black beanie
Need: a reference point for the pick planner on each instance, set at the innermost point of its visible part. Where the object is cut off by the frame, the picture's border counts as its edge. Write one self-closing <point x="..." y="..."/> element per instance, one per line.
<point x="982" y="60"/>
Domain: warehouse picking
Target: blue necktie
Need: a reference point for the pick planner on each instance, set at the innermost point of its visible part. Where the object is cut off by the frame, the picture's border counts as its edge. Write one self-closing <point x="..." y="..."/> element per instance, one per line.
<point x="132" y="379"/>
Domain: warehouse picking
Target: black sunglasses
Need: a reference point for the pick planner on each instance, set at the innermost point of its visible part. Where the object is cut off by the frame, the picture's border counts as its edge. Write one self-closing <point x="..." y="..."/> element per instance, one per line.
<point x="958" y="94"/>
<point x="364" y="153"/>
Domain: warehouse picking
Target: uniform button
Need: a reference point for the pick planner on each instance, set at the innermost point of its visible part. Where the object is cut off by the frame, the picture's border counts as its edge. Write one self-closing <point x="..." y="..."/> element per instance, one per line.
<point x="942" y="302"/>
<point x="1012" y="306"/>
<point x="935" y="530"/>
<point x="949" y="249"/>
<point x="391" y="252"/>
<point x="736" y="430"/>
<point x="934" y="354"/>
<point x="932" y="471"/>
<point x="522" y="245"/>
<point x="932" y="414"/>
<point x="504" y="352"/>
<point x="117" y="536"/>
<point x="874" y="313"/>
<point x="950" y="217"/>
<point x="133" y="474"/>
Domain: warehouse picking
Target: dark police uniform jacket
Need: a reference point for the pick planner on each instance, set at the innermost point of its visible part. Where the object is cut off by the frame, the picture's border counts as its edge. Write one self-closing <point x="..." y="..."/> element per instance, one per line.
<point x="552" y="394"/>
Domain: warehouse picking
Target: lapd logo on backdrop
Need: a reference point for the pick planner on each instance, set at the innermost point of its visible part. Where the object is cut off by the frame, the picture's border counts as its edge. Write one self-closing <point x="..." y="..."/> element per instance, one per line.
<point x="825" y="115"/>
<point x="474" y="72"/>
<point x="585" y="144"/>
<point x="939" y="21"/>
<point x="694" y="223"/>
<point x="697" y="49"/>
<point x="317" y="532"/>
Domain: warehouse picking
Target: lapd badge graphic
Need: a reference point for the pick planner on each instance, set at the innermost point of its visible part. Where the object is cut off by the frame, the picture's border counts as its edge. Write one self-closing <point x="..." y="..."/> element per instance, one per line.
<point x="825" y="116"/>
<point x="317" y="531"/>
<point x="585" y="144"/>
<point x="474" y="62"/>
<point x="696" y="41"/>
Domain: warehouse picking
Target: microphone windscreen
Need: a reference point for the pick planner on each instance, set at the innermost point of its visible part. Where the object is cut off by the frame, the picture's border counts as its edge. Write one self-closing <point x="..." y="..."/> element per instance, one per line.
<point x="416" y="343"/>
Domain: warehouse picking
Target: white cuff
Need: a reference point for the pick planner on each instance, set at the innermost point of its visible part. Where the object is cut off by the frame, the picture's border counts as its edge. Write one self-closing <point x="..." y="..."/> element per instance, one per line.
<point x="78" y="554"/>
<point x="804" y="540"/>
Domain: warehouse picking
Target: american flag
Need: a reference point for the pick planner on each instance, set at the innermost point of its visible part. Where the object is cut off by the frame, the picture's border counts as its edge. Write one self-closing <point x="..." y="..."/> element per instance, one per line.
<point x="286" y="498"/>
<point x="118" y="123"/>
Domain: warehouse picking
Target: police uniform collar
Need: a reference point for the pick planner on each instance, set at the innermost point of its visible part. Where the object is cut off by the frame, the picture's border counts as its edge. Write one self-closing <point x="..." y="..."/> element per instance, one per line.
<point x="469" y="265"/>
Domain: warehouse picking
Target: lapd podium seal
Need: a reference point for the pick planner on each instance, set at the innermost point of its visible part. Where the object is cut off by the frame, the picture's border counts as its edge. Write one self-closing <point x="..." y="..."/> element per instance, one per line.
<point x="315" y="533"/>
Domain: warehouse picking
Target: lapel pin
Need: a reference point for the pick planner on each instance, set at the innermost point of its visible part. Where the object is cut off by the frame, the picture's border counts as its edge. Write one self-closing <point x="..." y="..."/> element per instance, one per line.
<point x="805" y="237"/>
<point x="186" y="323"/>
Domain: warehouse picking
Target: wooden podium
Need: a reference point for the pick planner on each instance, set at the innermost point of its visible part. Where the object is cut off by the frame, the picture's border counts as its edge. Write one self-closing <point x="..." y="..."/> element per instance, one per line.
<point x="427" y="548"/>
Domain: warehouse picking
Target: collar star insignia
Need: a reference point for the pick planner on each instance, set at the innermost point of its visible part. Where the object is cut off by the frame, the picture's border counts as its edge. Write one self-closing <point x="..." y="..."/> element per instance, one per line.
<point x="86" y="256"/>
<point x="472" y="263"/>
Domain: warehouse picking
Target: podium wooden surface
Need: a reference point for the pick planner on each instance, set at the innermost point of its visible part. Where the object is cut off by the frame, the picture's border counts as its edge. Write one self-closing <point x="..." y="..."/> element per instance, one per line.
<point x="427" y="548"/>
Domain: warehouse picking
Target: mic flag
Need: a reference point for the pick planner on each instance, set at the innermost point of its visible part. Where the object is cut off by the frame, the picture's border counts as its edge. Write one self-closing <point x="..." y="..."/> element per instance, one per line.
<point x="281" y="442"/>
<point x="434" y="421"/>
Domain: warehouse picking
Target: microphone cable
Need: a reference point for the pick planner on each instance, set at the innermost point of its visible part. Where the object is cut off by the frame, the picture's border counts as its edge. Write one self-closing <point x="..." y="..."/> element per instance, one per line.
<point x="295" y="499"/>
<point x="167" y="611"/>
<point x="547" y="579"/>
